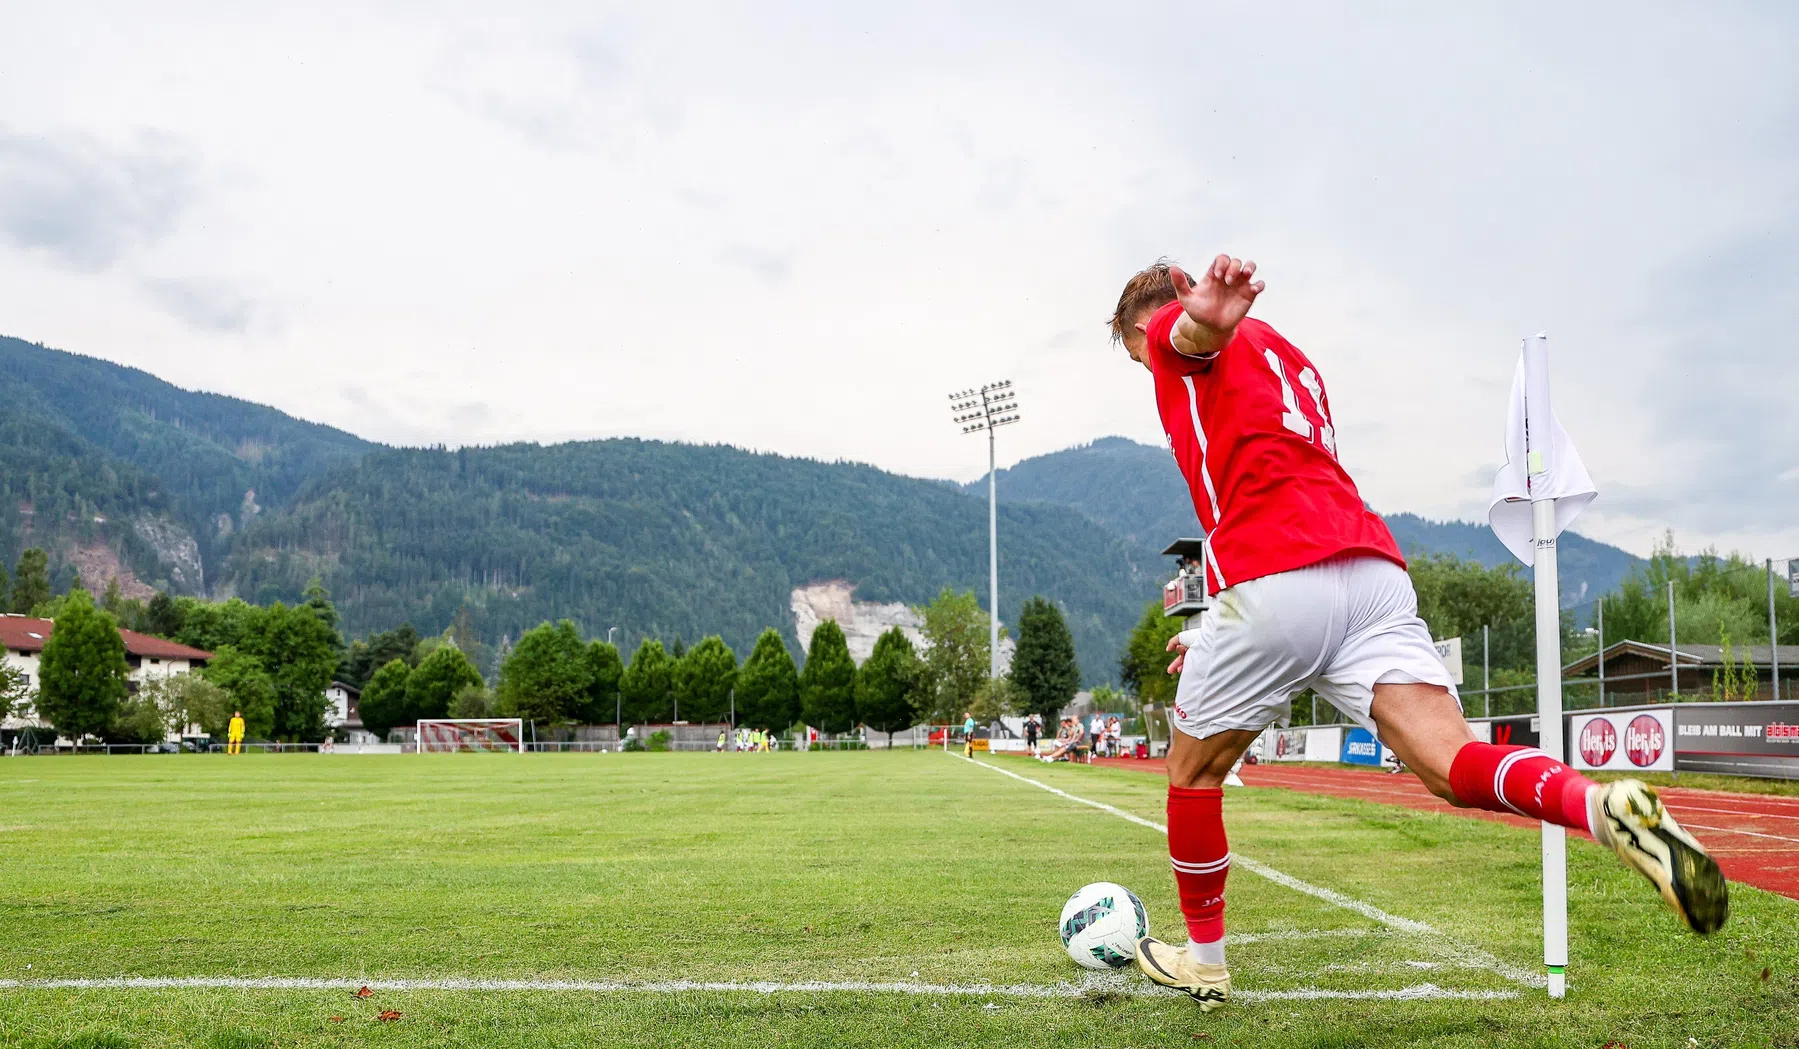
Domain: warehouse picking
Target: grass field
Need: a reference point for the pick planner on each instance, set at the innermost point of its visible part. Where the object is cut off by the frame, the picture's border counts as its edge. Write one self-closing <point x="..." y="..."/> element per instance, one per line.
<point x="636" y="877"/>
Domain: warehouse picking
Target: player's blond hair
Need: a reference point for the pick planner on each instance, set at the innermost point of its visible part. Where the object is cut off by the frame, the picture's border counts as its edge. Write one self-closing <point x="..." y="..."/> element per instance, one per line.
<point x="1149" y="289"/>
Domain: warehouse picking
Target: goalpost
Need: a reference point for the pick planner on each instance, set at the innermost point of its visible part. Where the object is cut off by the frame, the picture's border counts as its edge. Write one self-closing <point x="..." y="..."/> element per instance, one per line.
<point x="448" y="735"/>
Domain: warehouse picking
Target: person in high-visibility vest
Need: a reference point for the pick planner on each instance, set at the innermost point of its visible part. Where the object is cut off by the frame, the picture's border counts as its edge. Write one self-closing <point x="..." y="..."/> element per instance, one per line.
<point x="968" y="727"/>
<point x="234" y="734"/>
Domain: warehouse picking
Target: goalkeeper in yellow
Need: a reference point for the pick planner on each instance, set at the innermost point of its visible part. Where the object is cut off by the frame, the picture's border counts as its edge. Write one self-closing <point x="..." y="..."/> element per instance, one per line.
<point x="234" y="734"/>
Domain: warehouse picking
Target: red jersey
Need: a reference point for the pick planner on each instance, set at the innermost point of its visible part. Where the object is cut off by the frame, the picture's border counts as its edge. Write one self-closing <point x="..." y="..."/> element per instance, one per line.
<point x="1251" y="430"/>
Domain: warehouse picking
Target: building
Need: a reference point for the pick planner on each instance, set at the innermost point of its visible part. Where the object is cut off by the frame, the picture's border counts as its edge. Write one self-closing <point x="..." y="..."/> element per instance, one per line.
<point x="22" y="639"/>
<point x="343" y="715"/>
<point x="1638" y="672"/>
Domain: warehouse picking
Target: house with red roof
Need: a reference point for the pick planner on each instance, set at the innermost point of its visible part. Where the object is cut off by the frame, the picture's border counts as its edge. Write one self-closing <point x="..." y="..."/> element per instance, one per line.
<point x="22" y="645"/>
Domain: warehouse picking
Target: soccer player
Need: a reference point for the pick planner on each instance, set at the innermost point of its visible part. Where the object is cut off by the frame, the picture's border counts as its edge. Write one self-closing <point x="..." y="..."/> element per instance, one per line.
<point x="1311" y="592"/>
<point x="234" y="733"/>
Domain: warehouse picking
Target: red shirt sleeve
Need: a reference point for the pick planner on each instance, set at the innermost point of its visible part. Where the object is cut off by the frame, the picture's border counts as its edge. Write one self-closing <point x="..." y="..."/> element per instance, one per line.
<point x="1163" y="357"/>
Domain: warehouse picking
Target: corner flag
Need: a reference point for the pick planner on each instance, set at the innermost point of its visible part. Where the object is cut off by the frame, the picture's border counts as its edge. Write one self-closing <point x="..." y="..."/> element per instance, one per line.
<point x="1543" y="470"/>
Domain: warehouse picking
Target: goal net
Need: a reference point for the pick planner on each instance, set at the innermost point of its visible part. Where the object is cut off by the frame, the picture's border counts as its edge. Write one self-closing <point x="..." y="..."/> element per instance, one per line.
<point x="445" y="735"/>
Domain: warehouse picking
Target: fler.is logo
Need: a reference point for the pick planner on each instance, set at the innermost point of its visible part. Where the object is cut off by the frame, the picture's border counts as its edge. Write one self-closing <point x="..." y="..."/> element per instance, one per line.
<point x="1598" y="741"/>
<point x="1644" y="740"/>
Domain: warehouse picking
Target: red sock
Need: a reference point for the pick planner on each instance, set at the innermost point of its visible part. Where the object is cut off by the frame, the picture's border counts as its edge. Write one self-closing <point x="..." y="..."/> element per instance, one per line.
<point x="1519" y="779"/>
<point x="1202" y="858"/>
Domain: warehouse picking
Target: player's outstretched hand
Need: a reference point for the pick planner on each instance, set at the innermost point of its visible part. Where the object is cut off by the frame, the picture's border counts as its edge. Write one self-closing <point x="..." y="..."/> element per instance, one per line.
<point x="1214" y="304"/>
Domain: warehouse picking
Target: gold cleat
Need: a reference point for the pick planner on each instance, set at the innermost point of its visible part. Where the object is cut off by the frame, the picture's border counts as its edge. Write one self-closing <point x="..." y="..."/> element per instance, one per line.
<point x="1171" y="966"/>
<point x="1633" y="823"/>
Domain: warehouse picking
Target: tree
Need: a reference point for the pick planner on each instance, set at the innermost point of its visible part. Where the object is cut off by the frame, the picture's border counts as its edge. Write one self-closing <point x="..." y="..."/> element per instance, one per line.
<point x="462" y="633"/>
<point x="828" y="683"/>
<point x="472" y="701"/>
<point x="136" y="719"/>
<point x="1144" y="663"/>
<point x="15" y="691"/>
<point x="1043" y="667"/>
<point x="604" y="669"/>
<point x="647" y="687"/>
<point x="1457" y="597"/>
<point x="366" y="657"/>
<point x="703" y="680"/>
<point x="545" y="678"/>
<point x="956" y="661"/>
<point x="768" y="686"/>
<point x="188" y="699"/>
<point x="318" y="600"/>
<point x="299" y="651"/>
<point x="384" y="698"/>
<point x="214" y="626"/>
<point x="82" y="673"/>
<point x="889" y="685"/>
<point x="998" y="697"/>
<point x="163" y="617"/>
<point x="30" y="582"/>
<point x="443" y="674"/>
<point x="251" y="690"/>
<point x="112" y="600"/>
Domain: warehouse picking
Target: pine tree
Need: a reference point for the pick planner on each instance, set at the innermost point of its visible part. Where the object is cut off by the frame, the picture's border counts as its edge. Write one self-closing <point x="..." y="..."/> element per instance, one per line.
<point x="647" y="687"/>
<point x="163" y="616"/>
<point x="704" y="679"/>
<point x="81" y="676"/>
<point x="828" y="683"/>
<point x="30" y="582"/>
<point x="888" y="686"/>
<point x="384" y="698"/>
<point x="1044" y="666"/>
<point x="768" y="686"/>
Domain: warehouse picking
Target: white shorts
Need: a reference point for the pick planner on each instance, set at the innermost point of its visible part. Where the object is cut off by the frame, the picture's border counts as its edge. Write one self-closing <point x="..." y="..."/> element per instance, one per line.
<point x="1338" y="628"/>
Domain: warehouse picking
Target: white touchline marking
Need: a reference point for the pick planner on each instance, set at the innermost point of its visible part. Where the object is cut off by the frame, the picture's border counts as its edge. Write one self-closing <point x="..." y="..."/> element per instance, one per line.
<point x="1470" y="956"/>
<point x="979" y="990"/>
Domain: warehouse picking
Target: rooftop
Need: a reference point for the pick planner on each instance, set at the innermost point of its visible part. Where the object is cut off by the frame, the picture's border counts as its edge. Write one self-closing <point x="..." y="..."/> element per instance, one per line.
<point x="25" y="634"/>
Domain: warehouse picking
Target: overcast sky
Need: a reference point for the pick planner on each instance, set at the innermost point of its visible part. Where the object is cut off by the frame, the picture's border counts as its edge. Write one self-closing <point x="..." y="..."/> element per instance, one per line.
<point x="797" y="228"/>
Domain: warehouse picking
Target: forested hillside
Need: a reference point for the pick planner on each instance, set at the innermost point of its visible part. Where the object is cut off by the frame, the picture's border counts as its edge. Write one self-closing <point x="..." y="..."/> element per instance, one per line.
<point x="1137" y="490"/>
<point x="206" y="461"/>
<point x="666" y="541"/>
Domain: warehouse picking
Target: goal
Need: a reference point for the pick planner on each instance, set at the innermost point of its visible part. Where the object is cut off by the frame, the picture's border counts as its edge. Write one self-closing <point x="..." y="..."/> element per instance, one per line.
<point x="444" y="735"/>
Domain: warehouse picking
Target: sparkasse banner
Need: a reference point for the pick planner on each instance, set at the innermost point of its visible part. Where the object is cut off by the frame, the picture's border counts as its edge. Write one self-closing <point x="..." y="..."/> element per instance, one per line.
<point x="1630" y="741"/>
<point x="1744" y="739"/>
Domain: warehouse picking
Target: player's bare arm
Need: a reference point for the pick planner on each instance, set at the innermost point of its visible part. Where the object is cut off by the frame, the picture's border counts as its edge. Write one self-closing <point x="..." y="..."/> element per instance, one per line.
<point x="1214" y="305"/>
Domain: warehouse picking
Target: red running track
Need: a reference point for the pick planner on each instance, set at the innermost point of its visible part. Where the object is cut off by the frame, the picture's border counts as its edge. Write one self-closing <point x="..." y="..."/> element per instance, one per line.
<point x="1755" y="837"/>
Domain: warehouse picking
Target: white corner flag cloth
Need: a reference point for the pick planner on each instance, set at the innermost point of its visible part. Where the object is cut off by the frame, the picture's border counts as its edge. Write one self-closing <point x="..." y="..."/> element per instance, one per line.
<point x="1558" y="473"/>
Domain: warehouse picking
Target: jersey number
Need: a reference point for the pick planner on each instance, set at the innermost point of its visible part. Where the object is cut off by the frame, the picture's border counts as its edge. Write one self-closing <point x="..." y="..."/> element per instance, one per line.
<point x="1294" y="419"/>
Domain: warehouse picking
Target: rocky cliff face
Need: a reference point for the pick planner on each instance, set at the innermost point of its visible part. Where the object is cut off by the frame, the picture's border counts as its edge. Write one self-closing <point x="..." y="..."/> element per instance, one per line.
<point x="862" y="621"/>
<point x="176" y="552"/>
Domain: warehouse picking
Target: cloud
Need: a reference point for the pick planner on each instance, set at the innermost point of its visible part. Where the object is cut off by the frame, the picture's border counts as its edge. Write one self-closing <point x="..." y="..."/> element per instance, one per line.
<point x="205" y="305"/>
<point x="87" y="204"/>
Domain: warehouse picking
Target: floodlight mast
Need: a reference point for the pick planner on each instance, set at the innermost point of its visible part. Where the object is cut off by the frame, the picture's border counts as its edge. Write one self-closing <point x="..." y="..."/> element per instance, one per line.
<point x="986" y="409"/>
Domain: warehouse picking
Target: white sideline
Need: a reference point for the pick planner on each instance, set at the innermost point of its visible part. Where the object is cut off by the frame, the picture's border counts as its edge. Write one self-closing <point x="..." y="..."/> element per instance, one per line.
<point x="1415" y="992"/>
<point x="1470" y="956"/>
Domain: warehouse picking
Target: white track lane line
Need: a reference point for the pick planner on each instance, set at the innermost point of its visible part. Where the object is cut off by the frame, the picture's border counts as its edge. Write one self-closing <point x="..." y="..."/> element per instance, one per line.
<point x="1134" y="988"/>
<point x="1473" y="957"/>
<point x="1733" y="830"/>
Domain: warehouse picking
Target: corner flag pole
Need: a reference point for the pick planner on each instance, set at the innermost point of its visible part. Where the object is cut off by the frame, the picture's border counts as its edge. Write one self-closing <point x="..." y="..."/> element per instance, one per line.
<point x="1539" y="447"/>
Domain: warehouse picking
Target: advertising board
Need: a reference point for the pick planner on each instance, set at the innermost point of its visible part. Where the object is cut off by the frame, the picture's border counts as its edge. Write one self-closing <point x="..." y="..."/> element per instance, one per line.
<point x="1743" y="739"/>
<point x="1360" y="747"/>
<point x="1639" y="741"/>
<point x="1286" y="744"/>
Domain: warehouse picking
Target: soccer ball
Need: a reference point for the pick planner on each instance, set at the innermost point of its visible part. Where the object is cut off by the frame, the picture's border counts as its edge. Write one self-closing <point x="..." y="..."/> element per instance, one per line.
<point x="1101" y="925"/>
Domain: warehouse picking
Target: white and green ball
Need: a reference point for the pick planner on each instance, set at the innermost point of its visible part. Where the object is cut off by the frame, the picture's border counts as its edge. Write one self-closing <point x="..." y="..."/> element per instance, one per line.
<point x="1101" y="925"/>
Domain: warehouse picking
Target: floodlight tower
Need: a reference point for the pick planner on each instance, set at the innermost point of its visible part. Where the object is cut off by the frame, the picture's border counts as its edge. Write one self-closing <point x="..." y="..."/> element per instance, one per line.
<point x="988" y="408"/>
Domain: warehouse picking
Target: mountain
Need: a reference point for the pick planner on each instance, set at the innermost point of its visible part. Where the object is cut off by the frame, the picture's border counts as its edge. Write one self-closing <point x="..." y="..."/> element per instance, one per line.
<point x="164" y="475"/>
<point x="1137" y="490"/>
<point x="668" y="540"/>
